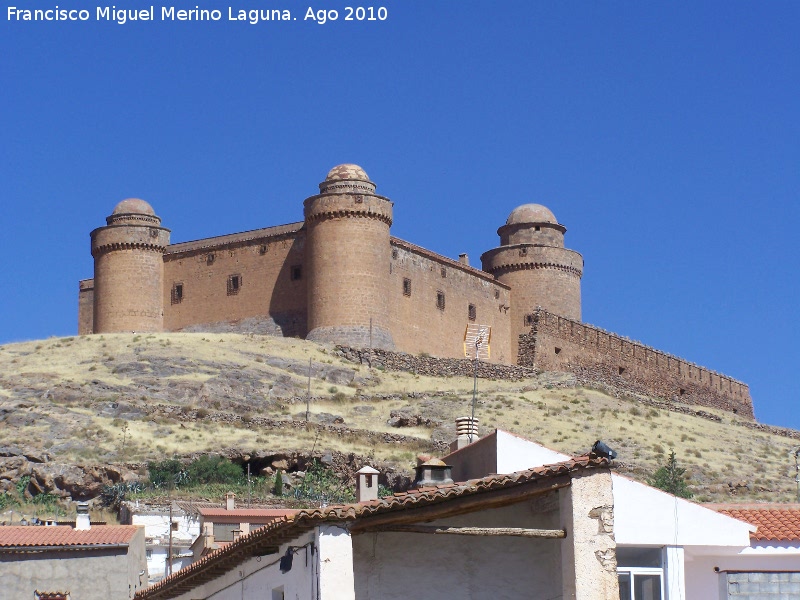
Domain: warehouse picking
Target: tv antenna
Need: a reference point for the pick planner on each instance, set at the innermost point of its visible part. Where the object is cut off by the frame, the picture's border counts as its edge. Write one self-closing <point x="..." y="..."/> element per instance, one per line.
<point x="476" y="345"/>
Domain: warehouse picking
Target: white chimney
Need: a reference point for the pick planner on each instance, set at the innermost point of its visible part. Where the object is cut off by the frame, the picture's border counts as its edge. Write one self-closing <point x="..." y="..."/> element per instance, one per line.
<point x="367" y="484"/>
<point x="82" y="521"/>
<point x="466" y="433"/>
<point x="463" y="259"/>
<point x="230" y="501"/>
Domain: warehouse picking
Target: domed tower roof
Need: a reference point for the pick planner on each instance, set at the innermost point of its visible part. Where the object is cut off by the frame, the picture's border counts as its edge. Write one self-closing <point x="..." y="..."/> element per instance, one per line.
<point x="531" y="213"/>
<point x="347" y="178"/>
<point x="347" y="171"/>
<point x="133" y="210"/>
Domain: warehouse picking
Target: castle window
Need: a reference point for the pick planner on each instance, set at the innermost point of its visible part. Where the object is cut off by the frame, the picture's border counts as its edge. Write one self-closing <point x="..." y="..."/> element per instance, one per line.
<point x="234" y="284"/>
<point x="621" y="370"/>
<point x="558" y="350"/>
<point x="406" y="287"/>
<point x="177" y="293"/>
<point x="472" y="312"/>
<point x="538" y="228"/>
<point x="682" y="391"/>
<point x="262" y="249"/>
<point x="296" y="272"/>
<point x="497" y="294"/>
<point x="523" y="251"/>
<point x="528" y="320"/>
<point x="440" y="300"/>
<point x="210" y="258"/>
<point x="394" y="253"/>
<point x="444" y="272"/>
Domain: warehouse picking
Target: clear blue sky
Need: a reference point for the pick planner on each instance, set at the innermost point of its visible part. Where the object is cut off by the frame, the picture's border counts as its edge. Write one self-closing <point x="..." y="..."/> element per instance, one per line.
<point x="665" y="136"/>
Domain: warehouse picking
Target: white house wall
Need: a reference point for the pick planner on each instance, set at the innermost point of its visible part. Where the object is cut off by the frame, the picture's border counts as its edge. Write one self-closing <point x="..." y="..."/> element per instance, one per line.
<point x="702" y="581"/>
<point x="398" y="566"/>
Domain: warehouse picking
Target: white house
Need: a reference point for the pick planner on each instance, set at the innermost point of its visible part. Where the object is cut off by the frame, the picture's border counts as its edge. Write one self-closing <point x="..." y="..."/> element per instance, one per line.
<point x="541" y="533"/>
<point x="667" y="547"/>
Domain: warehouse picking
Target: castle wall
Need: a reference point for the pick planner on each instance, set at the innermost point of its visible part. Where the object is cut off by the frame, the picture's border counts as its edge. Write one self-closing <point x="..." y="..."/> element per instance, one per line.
<point x="418" y="324"/>
<point x="268" y="297"/>
<point x="86" y="307"/>
<point x="557" y="343"/>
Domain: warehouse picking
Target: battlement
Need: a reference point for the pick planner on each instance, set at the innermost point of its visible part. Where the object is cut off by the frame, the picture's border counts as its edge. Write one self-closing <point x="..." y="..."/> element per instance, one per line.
<point x="556" y="343"/>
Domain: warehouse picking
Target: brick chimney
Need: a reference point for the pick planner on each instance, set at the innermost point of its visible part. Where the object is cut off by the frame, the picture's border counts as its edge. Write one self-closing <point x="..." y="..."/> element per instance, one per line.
<point x="463" y="259"/>
<point x="82" y="521"/>
<point x="366" y="484"/>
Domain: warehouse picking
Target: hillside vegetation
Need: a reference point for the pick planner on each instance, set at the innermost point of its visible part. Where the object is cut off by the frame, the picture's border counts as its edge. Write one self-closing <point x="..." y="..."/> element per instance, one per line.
<point x="124" y="399"/>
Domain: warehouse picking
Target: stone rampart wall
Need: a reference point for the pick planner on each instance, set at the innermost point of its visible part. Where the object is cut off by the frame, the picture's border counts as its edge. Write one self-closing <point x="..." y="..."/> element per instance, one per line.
<point x="559" y="344"/>
<point x="431" y="366"/>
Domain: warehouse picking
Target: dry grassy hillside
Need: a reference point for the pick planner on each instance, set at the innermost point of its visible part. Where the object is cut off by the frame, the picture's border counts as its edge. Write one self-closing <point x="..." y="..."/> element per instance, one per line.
<point x="124" y="398"/>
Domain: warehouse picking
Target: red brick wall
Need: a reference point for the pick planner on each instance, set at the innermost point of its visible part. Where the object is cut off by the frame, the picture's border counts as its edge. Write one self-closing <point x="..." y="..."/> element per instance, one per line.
<point x="556" y="343"/>
<point x="418" y="325"/>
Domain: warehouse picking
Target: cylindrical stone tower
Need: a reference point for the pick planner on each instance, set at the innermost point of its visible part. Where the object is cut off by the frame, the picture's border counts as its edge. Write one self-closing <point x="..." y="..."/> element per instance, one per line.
<point x="532" y="261"/>
<point x="348" y="257"/>
<point x="129" y="269"/>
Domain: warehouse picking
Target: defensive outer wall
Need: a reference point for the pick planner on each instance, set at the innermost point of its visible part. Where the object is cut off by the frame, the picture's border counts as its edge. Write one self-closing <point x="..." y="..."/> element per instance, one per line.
<point x="556" y="343"/>
<point x="340" y="277"/>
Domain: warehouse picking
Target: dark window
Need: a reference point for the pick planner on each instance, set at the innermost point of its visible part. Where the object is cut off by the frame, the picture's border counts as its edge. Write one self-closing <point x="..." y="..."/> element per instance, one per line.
<point x="234" y="284"/>
<point x="621" y="370"/>
<point x="496" y="294"/>
<point x="296" y="272"/>
<point x="472" y="312"/>
<point x="444" y="272"/>
<point x="394" y="252"/>
<point x="262" y="249"/>
<point x="558" y="350"/>
<point x="528" y="320"/>
<point x="406" y="287"/>
<point x="523" y="251"/>
<point x="538" y="228"/>
<point x="210" y="258"/>
<point x="177" y="293"/>
<point x="440" y="300"/>
<point x="682" y="391"/>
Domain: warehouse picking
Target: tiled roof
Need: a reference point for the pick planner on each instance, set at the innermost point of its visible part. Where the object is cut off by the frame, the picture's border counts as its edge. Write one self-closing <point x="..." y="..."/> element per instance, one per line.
<point x="39" y="536"/>
<point x="247" y="513"/>
<point x="284" y="529"/>
<point x="775" y="522"/>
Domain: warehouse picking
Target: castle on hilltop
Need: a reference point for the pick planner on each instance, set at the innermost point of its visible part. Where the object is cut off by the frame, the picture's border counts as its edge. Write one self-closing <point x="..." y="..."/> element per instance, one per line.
<point x="339" y="276"/>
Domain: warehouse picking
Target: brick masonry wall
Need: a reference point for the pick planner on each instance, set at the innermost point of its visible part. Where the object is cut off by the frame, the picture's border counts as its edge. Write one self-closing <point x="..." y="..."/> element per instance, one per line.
<point x="268" y="300"/>
<point x="763" y="586"/>
<point x="86" y="307"/>
<point x="559" y="344"/>
<point x="419" y="325"/>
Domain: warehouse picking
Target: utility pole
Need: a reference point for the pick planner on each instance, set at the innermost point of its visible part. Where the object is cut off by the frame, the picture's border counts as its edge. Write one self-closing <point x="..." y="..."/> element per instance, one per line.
<point x="478" y="340"/>
<point x="308" y="392"/>
<point x="169" y="548"/>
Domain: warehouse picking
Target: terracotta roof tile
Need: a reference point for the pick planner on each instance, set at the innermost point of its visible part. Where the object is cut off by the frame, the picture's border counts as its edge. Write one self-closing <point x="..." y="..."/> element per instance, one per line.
<point x="775" y="522"/>
<point x="20" y="536"/>
<point x="249" y="513"/>
<point x="286" y="528"/>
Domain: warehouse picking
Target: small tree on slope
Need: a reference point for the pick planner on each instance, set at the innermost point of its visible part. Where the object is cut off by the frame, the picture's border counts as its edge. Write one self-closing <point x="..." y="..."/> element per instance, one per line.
<point x="671" y="478"/>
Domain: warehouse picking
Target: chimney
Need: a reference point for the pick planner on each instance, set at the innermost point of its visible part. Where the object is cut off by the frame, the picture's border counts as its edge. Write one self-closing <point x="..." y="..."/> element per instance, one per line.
<point x="463" y="259"/>
<point x="466" y="427"/>
<point x="82" y="521"/>
<point x="366" y="484"/>
<point x="433" y="472"/>
<point x="230" y="501"/>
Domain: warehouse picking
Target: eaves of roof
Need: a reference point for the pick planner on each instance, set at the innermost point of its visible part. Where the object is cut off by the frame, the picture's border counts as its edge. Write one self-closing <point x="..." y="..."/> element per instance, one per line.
<point x="418" y="504"/>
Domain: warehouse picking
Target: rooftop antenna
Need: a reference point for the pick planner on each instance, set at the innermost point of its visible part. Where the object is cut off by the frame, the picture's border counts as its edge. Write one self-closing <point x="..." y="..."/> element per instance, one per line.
<point x="308" y="391"/>
<point x="477" y="337"/>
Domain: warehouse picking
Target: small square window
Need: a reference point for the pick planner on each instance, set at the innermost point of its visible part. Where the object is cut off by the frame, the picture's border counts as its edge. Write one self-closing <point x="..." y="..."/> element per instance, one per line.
<point x="210" y="258"/>
<point x="296" y="272"/>
<point x="440" y="300"/>
<point x="558" y="350"/>
<point x="406" y="287"/>
<point x="444" y="272"/>
<point x="394" y="253"/>
<point x="177" y="293"/>
<point x="472" y="312"/>
<point x="528" y="320"/>
<point x="621" y="370"/>
<point x="263" y="249"/>
<point x="497" y="294"/>
<point x="234" y="284"/>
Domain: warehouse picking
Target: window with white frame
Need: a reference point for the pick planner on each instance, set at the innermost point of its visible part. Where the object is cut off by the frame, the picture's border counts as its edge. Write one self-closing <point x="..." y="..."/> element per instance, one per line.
<point x="640" y="573"/>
